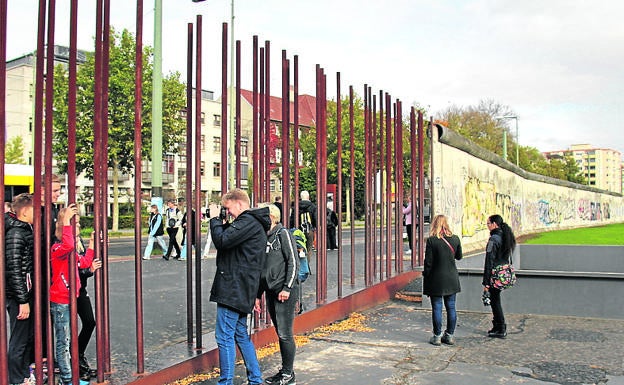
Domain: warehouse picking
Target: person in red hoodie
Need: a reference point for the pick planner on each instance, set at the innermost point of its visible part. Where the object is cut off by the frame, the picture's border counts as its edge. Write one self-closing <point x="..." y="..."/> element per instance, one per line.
<point x="59" y="289"/>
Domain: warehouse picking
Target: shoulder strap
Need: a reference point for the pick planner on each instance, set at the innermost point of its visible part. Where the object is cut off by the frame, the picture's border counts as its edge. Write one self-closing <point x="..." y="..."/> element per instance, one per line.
<point x="449" y="245"/>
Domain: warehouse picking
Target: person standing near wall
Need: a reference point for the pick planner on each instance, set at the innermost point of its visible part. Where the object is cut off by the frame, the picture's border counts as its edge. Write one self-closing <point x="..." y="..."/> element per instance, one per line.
<point x="500" y="246"/>
<point x="441" y="279"/>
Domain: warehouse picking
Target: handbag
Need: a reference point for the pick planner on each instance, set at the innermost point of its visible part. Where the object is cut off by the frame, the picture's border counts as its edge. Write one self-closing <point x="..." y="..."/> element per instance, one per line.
<point x="503" y="276"/>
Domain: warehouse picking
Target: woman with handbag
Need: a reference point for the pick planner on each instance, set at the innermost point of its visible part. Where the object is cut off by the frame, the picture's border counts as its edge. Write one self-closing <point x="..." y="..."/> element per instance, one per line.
<point x="441" y="279"/>
<point x="498" y="251"/>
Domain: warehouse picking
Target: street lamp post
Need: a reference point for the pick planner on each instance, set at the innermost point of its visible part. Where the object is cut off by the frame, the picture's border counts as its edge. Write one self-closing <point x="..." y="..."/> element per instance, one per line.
<point x="517" y="141"/>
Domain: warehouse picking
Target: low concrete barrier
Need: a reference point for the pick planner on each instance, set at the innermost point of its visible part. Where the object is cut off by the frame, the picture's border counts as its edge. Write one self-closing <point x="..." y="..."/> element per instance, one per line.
<point x="584" y="281"/>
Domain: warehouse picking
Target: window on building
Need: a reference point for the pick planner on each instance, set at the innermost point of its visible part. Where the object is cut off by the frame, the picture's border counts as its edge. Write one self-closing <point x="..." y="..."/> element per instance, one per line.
<point x="216" y="144"/>
<point x="168" y="163"/>
<point x="203" y="118"/>
<point x="243" y="147"/>
<point x="202" y="167"/>
<point x="272" y="185"/>
<point x="217" y="120"/>
<point x="203" y="142"/>
<point x="216" y="169"/>
<point x="244" y="170"/>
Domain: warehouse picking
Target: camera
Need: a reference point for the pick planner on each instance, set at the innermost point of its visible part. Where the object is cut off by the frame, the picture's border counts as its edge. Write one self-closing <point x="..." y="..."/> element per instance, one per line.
<point x="485" y="297"/>
<point x="223" y="213"/>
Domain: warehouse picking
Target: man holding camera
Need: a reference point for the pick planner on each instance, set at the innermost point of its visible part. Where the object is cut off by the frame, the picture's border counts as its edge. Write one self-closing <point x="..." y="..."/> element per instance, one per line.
<point x="240" y="246"/>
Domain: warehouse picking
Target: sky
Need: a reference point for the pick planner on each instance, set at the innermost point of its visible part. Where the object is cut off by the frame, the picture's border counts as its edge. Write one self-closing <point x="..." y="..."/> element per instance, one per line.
<point x="555" y="63"/>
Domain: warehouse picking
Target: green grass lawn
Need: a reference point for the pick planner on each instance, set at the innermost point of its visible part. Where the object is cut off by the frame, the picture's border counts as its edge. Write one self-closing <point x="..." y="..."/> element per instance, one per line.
<point x="603" y="235"/>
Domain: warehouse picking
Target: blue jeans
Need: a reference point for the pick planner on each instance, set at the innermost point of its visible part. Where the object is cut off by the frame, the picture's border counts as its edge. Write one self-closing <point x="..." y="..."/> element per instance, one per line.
<point x="150" y="245"/>
<point x="60" y="322"/>
<point x="231" y="331"/>
<point x="436" y="314"/>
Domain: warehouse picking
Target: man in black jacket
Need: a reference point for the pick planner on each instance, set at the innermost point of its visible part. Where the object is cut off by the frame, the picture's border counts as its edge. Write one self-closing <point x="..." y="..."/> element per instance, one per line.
<point x="19" y="252"/>
<point x="241" y="251"/>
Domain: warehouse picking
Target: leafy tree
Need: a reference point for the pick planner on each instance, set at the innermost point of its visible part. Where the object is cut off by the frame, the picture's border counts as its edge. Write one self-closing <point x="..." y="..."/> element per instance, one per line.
<point x="483" y="125"/>
<point x="14" y="153"/>
<point x="120" y="112"/>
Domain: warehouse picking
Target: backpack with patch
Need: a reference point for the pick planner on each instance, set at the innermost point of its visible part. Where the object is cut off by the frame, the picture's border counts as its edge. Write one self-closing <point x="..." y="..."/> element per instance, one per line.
<point x="305" y="222"/>
<point x="300" y="241"/>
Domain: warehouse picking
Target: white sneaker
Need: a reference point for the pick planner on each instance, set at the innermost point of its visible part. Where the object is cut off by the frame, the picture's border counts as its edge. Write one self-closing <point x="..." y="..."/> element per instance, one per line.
<point x="146" y="258"/>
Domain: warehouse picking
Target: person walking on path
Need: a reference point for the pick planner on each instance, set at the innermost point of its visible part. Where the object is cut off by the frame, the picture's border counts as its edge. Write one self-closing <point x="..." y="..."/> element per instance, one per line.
<point x="332" y="224"/>
<point x="174" y="221"/>
<point x="407" y="221"/>
<point x="279" y="283"/>
<point x="307" y="219"/>
<point x="500" y="246"/>
<point x="155" y="232"/>
<point x="241" y="252"/>
<point x="441" y="279"/>
<point x="19" y="253"/>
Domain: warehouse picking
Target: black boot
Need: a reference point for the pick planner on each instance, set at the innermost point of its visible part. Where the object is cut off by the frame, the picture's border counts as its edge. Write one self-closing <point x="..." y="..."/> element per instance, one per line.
<point x="85" y="369"/>
<point x="501" y="332"/>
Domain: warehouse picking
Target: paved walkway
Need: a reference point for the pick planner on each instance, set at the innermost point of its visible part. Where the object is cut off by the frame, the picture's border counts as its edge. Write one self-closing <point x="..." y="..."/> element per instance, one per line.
<point x="395" y="350"/>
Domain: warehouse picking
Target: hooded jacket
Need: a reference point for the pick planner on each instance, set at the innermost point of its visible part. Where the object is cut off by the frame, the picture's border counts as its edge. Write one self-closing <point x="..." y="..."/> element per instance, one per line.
<point x="281" y="267"/>
<point x="19" y="258"/>
<point x="305" y="206"/>
<point x="493" y="255"/>
<point x="241" y="252"/>
<point x="59" y="287"/>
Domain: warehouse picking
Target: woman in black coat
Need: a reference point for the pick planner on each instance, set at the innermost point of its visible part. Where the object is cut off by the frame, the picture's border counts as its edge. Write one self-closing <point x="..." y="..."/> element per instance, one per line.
<point x="441" y="280"/>
<point x="499" y="248"/>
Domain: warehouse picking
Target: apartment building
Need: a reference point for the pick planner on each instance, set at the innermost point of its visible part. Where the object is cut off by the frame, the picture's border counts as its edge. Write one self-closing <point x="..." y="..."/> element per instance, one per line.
<point x="601" y="167"/>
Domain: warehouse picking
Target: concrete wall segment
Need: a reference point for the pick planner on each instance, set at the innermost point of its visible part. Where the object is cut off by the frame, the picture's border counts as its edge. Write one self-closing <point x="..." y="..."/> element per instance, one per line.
<point x="471" y="183"/>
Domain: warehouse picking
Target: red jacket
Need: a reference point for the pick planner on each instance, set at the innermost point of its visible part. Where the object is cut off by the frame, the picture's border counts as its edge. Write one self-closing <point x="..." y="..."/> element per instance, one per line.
<point x="59" y="288"/>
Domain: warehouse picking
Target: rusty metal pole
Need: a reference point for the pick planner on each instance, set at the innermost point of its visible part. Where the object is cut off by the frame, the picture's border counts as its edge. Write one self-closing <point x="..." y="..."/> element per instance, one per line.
<point x="267" y="118"/>
<point x="322" y="198"/>
<point x="49" y="126"/>
<point x="367" y="171"/>
<point x="138" y="266"/>
<point x="352" y="182"/>
<point x="338" y="200"/>
<point x="194" y="232"/>
<point x="237" y="117"/>
<point x="285" y="131"/>
<point x="399" y="184"/>
<point x="97" y="192"/>
<point x="255" y="137"/>
<point x="262" y="153"/>
<point x="224" y="108"/>
<point x="4" y="367"/>
<point x="189" y="166"/>
<point x="319" y="159"/>
<point x="371" y="185"/>
<point x="41" y="319"/>
<point x="414" y="181"/>
<point x="374" y="161"/>
<point x="104" y="179"/>
<point x="296" y="145"/>
<point x="382" y="192"/>
<point x="421" y="184"/>
<point x="388" y="186"/>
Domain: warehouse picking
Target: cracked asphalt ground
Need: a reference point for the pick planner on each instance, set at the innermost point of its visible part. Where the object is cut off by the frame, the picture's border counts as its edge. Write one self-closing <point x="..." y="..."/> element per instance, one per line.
<point x="538" y="350"/>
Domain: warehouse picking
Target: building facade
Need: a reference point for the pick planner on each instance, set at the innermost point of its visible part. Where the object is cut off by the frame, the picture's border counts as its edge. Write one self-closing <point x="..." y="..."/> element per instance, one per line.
<point x="601" y="167"/>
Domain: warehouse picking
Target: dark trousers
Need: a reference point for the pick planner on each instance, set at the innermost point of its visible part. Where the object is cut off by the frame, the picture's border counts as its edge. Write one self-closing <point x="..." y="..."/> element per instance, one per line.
<point x="331" y="238"/>
<point x="85" y="312"/>
<point x="283" y="316"/>
<point x="497" y="307"/>
<point x="21" y="342"/>
<point x="408" y="230"/>
<point x="173" y="242"/>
